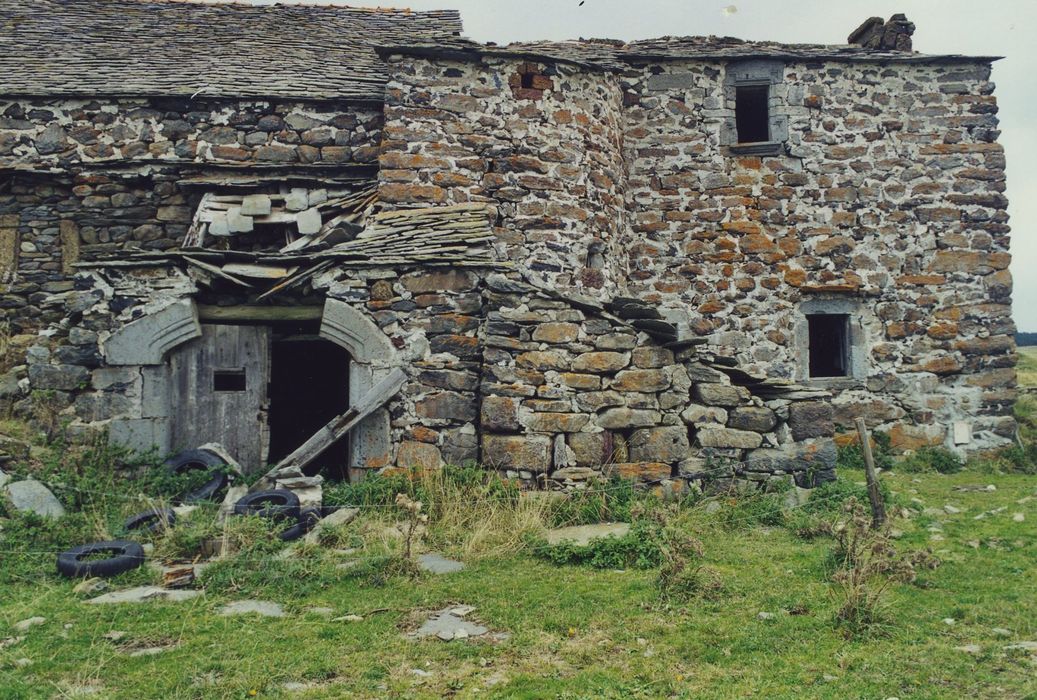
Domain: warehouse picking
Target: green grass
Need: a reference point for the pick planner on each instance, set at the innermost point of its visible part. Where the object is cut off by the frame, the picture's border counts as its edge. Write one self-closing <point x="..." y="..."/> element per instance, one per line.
<point x="1027" y="366"/>
<point x="576" y="631"/>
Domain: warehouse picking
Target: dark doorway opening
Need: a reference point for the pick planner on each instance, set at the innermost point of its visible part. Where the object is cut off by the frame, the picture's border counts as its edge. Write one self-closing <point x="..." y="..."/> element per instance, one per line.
<point x="309" y="385"/>
<point x="829" y="345"/>
<point x="751" y="113"/>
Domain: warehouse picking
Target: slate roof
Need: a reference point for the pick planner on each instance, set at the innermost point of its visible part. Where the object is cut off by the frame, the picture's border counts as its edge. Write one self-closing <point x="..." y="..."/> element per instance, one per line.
<point x="171" y="48"/>
<point x="610" y="54"/>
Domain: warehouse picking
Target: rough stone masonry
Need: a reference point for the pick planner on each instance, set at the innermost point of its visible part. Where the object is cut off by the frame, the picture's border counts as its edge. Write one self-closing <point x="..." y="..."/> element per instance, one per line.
<point x="690" y="259"/>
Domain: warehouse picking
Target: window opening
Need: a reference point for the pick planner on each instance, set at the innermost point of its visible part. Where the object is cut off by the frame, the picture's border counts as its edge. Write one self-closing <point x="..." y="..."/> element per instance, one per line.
<point x="228" y="380"/>
<point x="751" y="113"/>
<point x="527" y="80"/>
<point x="829" y="345"/>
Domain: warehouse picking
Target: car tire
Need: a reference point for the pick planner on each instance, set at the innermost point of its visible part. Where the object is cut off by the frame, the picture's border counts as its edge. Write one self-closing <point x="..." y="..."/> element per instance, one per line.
<point x="155" y="520"/>
<point x="126" y="556"/>
<point x="308" y="519"/>
<point x="279" y="504"/>
<point x="191" y="460"/>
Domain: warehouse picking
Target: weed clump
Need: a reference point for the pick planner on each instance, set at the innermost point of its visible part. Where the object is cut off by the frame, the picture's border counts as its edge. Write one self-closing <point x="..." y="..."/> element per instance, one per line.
<point x="850" y="456"/>
<point x="867" y="563"/>
<point x="640" y="548"/>
<point x="683" y="576"/>
<point x="932" y="459"/>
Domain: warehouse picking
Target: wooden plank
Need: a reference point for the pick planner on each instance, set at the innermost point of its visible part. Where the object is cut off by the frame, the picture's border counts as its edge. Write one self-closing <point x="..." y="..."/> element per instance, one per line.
<point x="214" y="270"/>
<point x="258" y="314"/>
<point x="202" y="411"/>
<point x="266" y="272"/>
<point x="339" y="426"/>
<point x="297" y="279"/>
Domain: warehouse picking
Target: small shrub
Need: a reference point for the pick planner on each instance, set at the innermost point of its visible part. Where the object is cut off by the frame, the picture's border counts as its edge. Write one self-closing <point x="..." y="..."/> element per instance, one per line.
<point x="851" y="457"/>
<point x="1017" y="459"/>
<point x="930" y="459"/>
<point x="682" y="575"/>
<point x="415" y="519"/>
<point x="866" y="564"/>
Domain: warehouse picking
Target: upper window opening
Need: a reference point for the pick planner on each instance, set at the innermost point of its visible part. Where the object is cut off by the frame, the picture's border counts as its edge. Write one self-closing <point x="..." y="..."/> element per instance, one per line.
<point x="228" y="380"/>
<point x="527" y="80"/>
<point x="751" y="113"/>
<point x="829" y="345"/>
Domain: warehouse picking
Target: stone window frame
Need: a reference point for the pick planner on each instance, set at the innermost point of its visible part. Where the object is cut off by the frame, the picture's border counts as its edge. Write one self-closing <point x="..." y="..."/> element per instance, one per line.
<point x="857" y="342"/>
<point x="770" y="72"/>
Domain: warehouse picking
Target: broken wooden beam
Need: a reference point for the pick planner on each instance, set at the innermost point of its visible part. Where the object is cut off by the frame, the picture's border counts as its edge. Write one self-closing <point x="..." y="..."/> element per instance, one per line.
<point x="339" y="426"/>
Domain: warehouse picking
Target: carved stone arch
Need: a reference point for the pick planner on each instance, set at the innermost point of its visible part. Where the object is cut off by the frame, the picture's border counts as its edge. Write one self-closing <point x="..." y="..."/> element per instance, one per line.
<point x="147" y="340"/>
<point x="351" y="329"/>
<point x="373" y="357"/>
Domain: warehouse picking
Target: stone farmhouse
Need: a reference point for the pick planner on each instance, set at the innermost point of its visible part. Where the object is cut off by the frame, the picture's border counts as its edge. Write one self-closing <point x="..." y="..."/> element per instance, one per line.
<point x="681" y="259"/>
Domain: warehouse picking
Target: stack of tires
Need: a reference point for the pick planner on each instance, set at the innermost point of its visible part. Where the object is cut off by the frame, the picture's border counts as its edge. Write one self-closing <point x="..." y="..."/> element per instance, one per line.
<point x="117" y="556"/>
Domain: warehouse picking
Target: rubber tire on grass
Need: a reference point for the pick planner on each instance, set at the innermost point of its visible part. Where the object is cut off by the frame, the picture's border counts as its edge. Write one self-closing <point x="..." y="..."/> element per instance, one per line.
<point x="127" y="556"/>
<point x="189" y="460"/>
<point x="280" y="504"/>
<point x="308" y="519"/>
<point x="154" y="520"/>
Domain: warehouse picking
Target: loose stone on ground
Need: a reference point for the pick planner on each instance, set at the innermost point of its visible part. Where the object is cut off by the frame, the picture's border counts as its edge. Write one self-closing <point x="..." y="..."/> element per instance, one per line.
<point x="438" y="564"/>
<point x="143" y="594"/>
<point x="583" y="535"/>
<point x="257" y="607"/>
<point x="32" y="496"/>
<point x="449" y="624"/>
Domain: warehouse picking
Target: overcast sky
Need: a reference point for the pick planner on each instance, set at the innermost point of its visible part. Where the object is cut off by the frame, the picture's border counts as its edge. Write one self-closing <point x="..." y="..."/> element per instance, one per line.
<point x="989" y="27"/>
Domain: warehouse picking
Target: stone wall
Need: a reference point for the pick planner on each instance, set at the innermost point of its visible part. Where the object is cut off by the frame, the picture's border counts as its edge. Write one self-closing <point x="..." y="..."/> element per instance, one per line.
<point x="571" y="393"/>
<point x="56" y="133"/>
<point x="889" y="200"/>
<point x="883" y="200"/>
<point x="550" y="158"/>
<point x="90" y="177"/>
<point x="551" y="392"/>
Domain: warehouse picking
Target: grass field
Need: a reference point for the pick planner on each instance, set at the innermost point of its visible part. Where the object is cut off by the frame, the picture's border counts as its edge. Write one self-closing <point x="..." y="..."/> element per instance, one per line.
<point x="1027" y="367"/>
<point x="575" y="632"/>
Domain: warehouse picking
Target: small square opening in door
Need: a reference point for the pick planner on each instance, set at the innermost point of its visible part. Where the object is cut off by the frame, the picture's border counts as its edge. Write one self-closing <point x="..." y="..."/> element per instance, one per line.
<point x="228" y="380"/>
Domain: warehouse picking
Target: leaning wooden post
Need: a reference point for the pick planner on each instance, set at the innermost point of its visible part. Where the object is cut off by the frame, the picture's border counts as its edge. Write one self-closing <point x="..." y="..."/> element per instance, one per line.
<point x="878" y="508"/>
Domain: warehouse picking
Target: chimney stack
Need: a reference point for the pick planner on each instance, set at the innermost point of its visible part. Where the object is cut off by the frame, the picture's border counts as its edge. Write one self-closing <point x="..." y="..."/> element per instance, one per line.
<point x="894" y="35"/>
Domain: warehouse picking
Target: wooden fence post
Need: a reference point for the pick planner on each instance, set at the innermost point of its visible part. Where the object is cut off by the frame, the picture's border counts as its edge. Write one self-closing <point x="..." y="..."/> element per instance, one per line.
<point x="878" y="508"/>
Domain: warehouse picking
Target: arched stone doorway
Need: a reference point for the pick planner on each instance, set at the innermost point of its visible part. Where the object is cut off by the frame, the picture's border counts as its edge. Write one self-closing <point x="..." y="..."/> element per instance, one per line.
<point x="152" y="342"/>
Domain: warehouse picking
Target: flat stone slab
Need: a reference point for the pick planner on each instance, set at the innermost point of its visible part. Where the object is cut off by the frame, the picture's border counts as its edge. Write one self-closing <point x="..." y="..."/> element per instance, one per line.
<point x="438" y="564"/>
<point x="583" y="535"/>
<point x="1023" y="646"/>
<point x="144" y="594"/>
<point x="449" y="624"/>
<point x="33" y="497"/>
<point x="252" y="607"/>
<point x="342" y="516"/>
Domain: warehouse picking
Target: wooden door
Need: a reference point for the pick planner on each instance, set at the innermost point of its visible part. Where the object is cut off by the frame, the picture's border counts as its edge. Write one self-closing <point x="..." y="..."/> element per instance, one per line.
<point x="219" y="392"/>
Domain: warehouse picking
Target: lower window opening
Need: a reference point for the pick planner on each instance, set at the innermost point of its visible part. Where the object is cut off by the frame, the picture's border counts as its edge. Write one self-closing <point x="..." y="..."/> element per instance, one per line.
<point x="829" y="345"/>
